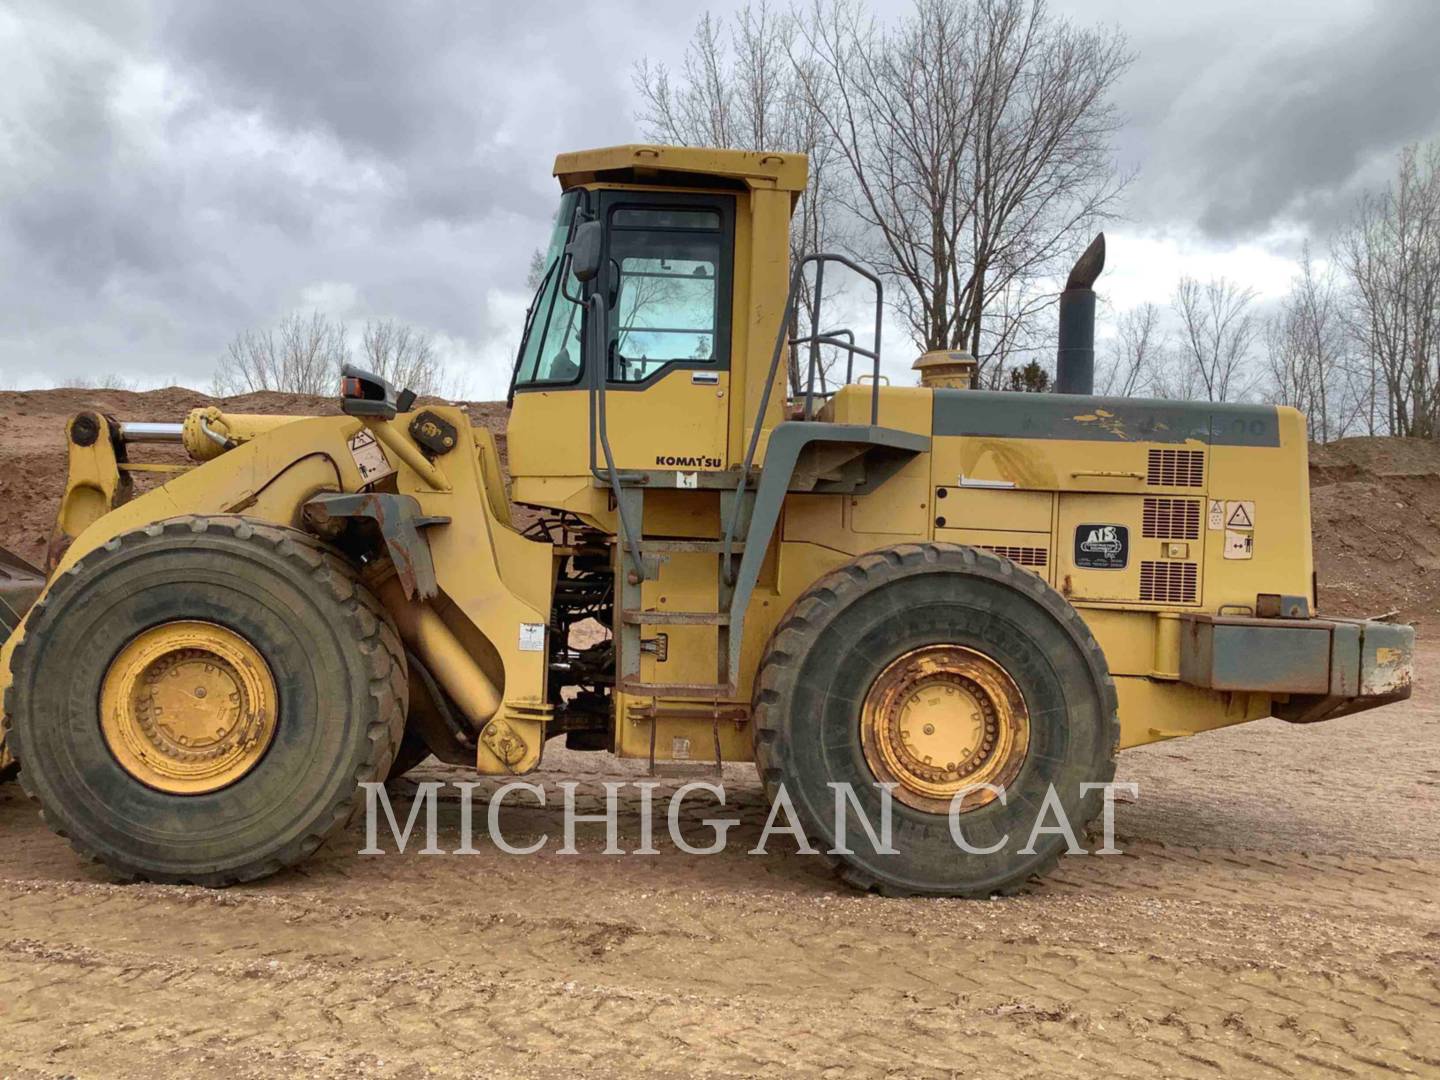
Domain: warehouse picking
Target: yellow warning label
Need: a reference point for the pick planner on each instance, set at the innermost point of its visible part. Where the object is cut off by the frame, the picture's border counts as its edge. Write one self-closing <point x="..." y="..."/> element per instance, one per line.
<point x="1240" y="515"/>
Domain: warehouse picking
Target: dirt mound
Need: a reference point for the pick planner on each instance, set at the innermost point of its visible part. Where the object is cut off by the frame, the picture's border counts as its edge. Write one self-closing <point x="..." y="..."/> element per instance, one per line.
<point x="1375" y="509"/>
<point x="32" y="442"/>
<point x="1375" y="502"/>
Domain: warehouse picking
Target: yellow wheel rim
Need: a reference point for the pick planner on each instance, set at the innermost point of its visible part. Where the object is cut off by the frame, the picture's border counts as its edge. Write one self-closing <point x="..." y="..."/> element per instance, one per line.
<point x="940" y="719"/>
<point x="188" y="707"/>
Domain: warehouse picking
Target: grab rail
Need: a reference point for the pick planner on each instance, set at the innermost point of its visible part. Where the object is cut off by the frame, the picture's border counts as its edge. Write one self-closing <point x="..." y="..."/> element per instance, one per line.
<point x="815" y="340"/>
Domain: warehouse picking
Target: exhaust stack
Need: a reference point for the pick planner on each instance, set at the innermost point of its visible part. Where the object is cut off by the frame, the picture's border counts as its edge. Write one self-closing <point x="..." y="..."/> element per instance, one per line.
<point x="1075" y="358"/>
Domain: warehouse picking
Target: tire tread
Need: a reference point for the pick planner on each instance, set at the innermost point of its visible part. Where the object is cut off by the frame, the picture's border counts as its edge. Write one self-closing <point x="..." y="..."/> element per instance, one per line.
<point x="367" y="622"/>
<point x="780" y="662"/>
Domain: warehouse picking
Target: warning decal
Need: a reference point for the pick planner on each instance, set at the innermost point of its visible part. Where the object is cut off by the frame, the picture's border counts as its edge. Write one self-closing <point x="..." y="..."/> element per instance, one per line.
<point x="1240" y="515"/>
<point x="1217" y="514"/>
<point x="532" y="637"/>
<point x="1239" y="545"/>
<point x="370" y="460"/>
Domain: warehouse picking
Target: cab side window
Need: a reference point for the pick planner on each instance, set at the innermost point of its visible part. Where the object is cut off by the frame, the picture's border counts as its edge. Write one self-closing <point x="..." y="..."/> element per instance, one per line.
<point x="671" y="291"/>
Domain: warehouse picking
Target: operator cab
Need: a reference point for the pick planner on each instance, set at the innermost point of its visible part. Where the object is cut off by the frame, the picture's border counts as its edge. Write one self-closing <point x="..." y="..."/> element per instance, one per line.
<point x="670" y="264"/>
<point x="686" y="238"/>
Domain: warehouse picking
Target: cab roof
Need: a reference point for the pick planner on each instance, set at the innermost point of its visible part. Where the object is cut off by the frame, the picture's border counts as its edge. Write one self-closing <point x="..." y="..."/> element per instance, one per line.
<point x="650" y="164"/>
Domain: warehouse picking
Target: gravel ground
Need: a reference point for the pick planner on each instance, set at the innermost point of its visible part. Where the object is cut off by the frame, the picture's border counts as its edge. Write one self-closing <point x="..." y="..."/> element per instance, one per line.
<point x="1276" y="911"/>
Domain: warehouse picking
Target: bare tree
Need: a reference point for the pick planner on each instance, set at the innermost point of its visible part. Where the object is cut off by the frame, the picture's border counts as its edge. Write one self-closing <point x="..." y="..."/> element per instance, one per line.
<point x="1137" y="355"/>
<point x="1307" y="357"/>
<point x="111" y="380"/>
<point x="977" y="135"/>
<point x="740" y="88"/>
<point x="535" y="272"/>
<point x="1013" y="333"/>
<point x="1390" y="253"/>
<point x="1217" y="331"/>
<point x="402" y="355"/>
<point x="302" y="355"/>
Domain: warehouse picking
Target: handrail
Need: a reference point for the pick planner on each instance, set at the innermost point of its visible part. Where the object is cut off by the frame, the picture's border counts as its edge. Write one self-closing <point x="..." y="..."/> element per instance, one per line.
<point x="598" y="372"/>
<point x="815" y="340"/>
<point x="599" y="375"/>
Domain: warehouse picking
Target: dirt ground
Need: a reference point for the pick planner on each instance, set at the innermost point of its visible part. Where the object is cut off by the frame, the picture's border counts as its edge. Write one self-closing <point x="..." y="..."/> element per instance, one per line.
<point x="1276" y="910"/>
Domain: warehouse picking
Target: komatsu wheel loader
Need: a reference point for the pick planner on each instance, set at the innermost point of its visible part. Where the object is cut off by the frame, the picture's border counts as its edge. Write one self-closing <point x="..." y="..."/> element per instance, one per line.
<point x="952" y="599"/>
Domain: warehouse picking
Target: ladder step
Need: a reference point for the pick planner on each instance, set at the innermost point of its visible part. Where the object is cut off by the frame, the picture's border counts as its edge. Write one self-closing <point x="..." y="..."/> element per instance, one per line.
<point x="676" y="618"/>
<point x="680" y="769"/>
<point x="678" y="547"/>
<point x="669" y="689"/>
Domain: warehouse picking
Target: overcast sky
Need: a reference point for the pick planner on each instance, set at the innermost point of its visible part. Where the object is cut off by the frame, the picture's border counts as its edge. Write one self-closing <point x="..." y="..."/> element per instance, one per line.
<point x="171" y="173"/>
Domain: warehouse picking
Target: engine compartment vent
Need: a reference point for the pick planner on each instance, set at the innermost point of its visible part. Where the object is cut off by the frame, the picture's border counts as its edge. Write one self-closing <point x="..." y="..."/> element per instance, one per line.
<point x="1171" y="519"/>
<point x="1021" y="556"/>
<point x="1176" y="468"/>
<point x="1169" y="582"/>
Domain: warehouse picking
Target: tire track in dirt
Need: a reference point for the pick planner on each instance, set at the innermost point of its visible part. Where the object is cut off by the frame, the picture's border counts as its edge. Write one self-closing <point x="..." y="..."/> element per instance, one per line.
<point x="1218" y="944"/>
<point x="1060" y="1009"/>
<point x="1029" y="985"/>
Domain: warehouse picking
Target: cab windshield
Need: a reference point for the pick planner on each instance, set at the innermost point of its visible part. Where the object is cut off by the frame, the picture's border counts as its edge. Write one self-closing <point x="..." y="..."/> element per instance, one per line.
<point x="550" y="349"/>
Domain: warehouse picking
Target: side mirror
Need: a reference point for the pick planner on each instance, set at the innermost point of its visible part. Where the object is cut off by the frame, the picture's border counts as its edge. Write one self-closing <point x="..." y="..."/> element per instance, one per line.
<point x="364" y="394"/>
<point x="584" y="250"/>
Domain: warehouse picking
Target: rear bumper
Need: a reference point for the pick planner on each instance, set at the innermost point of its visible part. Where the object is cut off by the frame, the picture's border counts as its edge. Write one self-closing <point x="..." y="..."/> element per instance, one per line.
<point x="1320" y="668"/>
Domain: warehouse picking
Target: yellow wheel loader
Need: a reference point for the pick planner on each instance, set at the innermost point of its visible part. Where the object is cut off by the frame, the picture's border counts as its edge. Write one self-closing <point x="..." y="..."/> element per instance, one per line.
<point x="957" y="602"/>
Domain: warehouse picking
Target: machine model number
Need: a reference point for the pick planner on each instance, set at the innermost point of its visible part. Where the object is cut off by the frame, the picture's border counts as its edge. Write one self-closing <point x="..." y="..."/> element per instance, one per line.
<point x="1102" y="547"/>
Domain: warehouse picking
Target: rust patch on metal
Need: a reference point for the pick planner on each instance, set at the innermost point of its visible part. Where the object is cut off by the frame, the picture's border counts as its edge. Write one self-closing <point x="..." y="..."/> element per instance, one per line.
<point x="399" y="520"/>
<point x="942" y="719"/>
<point x="1392" y="672"/>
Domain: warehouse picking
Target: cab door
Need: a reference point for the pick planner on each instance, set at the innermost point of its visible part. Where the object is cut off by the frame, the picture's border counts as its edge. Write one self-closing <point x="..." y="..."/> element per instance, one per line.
<point x="669" y="281"/>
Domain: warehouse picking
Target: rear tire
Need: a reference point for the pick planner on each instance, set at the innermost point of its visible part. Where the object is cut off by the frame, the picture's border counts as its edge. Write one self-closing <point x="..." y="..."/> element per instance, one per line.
<point x="825" y="660"/>
<point x="337" y="666"/>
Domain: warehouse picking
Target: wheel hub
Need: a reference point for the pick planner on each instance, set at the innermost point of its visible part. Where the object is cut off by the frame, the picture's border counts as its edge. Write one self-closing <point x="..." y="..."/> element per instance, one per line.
<point x="940" y="719"/>
<point x="188" y="707"/>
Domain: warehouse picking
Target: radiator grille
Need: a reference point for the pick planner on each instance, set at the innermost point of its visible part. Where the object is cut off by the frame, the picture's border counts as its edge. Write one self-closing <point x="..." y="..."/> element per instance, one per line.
<point x="1021" y="556"/>
<point x="1168" y="582"/>
<point x="1171" y="519"/>
<point x="1176" y="468"/>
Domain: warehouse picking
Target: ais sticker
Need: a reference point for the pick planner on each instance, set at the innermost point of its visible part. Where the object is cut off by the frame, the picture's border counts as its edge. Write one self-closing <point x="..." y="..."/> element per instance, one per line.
<point x="1102" y="547"/>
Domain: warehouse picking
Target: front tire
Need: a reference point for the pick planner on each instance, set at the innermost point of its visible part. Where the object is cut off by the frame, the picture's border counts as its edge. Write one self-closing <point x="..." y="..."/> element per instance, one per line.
<point x="853" y="690"/>
<point x="186" y="629"/>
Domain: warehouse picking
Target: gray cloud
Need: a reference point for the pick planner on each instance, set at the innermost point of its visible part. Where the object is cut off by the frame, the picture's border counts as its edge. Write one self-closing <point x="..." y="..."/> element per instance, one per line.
<point x="194" y="168"/>
<point x="1265" y="115"/>
<point x="172" y="171"/>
